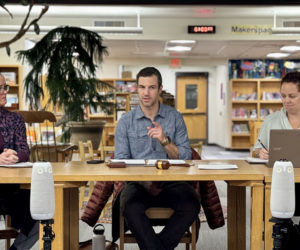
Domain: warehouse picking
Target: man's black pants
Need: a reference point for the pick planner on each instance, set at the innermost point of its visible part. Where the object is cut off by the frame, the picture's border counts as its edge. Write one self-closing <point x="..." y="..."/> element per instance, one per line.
<point x="180" y="196"/>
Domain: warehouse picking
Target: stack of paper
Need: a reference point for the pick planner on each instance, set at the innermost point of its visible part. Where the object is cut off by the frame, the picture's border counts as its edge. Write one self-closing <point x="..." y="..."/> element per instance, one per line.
<point x="217" y="166"/>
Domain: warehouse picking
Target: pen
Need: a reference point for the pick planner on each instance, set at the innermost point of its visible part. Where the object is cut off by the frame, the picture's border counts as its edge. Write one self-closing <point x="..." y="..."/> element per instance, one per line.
<point x="262" y="144"/>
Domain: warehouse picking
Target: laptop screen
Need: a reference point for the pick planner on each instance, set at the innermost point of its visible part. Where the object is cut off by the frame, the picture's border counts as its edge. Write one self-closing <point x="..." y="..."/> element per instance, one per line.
<point x="284" y="144"/>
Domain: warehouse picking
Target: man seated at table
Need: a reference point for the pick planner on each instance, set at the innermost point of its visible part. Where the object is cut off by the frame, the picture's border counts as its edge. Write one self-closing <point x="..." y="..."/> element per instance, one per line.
<point x="13" y="200"/>
<point x="155" y="131"/>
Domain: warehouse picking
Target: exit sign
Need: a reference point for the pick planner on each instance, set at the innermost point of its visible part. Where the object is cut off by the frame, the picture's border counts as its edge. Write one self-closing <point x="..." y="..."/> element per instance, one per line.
<point x="201" y="29"/>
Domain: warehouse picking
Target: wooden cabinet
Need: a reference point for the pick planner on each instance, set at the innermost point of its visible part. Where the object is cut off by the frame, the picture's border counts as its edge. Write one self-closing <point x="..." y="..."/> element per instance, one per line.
<point x="13" y="76"/>
<point x="251" y="100"/>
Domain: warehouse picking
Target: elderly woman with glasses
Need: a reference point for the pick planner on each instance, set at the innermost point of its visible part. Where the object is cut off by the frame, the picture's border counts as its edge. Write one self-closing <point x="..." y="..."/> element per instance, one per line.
<point x="13" y="148"/>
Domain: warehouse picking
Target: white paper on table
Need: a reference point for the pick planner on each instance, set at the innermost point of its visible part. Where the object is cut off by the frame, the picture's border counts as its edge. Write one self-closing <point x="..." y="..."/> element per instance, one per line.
<point x="152" y="162"/>
<point x="217" y="166"/>
<point x="255" y="160"/>
<point x="130" y="161"/>
<point x="18" y="165"/>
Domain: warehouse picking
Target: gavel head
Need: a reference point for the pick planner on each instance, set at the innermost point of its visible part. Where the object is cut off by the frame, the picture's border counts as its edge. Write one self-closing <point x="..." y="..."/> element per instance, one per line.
<point x="160" y="164"/>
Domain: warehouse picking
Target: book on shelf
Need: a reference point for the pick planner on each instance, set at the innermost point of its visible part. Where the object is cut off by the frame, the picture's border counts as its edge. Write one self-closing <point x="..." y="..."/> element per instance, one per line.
<point x="266" y="96"/>
<point x="121" y="102"/>
<point x="10" y="77"/>
<point x="240" y="128"/>
<point x="240" y="113"/>
<point x="266" y="111"/>
<point x="131" y="87"/>
<point x="134" y="101"/>
<point x="244" y="96"/>
<point x="126" y="87"/>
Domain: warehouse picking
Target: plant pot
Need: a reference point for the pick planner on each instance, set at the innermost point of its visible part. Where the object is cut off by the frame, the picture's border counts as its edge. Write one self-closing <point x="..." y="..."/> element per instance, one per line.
<point x="84" y="131"/>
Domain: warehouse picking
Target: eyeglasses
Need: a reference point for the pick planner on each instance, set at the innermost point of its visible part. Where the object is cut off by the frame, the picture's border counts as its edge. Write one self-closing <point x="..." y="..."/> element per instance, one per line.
<point x="4" y="88"/>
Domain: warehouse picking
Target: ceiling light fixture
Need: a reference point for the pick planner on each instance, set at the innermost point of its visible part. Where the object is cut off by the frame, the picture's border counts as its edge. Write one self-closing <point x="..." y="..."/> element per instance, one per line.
<point x="277" y="55"/>
<point x="113" y="30"/>
<point x="284" y="30"/>
<point x="290" y="48"/>
<point x="179" y="48"/>
<point x="183" y="41"/>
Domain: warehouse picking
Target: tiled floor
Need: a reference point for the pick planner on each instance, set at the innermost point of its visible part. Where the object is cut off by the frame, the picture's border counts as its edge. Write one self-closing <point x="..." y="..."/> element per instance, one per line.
<point x="208" y="239"/>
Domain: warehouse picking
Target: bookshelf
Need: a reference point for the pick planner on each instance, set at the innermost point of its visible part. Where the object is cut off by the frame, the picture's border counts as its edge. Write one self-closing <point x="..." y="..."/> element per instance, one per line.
<point x="13" y="77"/>
<point x="251" y="100"/>
<point x="125" y="89"/>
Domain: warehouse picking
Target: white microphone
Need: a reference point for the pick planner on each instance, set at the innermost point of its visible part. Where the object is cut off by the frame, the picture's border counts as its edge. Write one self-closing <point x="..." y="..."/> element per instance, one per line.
<point x="282" y="203"/>
<point x="42" y="200"/>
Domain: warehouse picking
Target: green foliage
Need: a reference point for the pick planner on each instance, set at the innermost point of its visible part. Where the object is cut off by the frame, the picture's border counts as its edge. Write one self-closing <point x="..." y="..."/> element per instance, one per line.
<point x="69" y="54"/>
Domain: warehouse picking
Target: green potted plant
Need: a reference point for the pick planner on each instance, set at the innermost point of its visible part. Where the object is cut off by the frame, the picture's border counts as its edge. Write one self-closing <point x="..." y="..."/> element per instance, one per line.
<point x="71" y="56"/>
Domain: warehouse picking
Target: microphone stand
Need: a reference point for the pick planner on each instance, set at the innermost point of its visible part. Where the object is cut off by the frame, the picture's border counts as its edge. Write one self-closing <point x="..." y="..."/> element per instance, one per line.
<point x="282" y="233"/>
<point x="49" y="235"/>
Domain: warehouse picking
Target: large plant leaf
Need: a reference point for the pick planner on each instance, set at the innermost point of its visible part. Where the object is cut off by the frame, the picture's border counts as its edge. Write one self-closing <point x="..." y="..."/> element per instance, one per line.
<point x="71" y="55"/>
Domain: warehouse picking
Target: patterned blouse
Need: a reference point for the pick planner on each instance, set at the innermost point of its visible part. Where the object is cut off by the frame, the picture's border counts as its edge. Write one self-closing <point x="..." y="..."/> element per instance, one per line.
<point x="13" y="134"/>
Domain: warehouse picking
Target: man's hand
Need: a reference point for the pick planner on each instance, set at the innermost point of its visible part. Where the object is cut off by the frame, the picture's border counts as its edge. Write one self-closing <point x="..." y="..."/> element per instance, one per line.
<point x="156" y="132"/>
<point x="8" y="157"/>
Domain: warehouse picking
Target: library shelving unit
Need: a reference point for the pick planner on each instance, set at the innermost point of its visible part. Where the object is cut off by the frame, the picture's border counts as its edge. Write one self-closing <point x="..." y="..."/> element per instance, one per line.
<point x="123" y="89"/>
<point x="13" y="77"/>
<point x="251" y="100"/>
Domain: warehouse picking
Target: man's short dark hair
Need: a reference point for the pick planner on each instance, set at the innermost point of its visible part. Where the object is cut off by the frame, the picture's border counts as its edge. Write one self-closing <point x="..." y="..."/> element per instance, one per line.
<point x="292" y="77"/>
<point x="150" y="71"/>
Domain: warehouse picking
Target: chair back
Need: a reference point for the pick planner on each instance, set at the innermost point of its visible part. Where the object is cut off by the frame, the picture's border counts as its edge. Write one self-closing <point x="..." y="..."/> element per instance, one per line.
<point x="41" y="137"/>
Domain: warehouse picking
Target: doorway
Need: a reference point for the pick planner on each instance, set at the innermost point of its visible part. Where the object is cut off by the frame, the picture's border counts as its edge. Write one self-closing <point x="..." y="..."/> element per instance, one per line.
<point x="191" y="102"/>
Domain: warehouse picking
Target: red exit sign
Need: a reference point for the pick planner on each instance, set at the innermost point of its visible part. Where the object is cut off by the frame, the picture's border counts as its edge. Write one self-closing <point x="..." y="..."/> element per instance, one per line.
<point x="201" y="29"/>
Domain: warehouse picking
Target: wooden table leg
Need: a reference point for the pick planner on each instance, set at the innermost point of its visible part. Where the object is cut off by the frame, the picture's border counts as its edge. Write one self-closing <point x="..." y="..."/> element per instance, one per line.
<point x="268" y="224"/>
<point x="236" y="223"/>
<point x="256" y="226"/>
<point x="66" y="219"/>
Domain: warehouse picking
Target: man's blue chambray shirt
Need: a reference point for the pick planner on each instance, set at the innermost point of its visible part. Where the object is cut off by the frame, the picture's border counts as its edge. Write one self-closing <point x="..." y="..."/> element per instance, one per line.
<point x="133" y="142"/>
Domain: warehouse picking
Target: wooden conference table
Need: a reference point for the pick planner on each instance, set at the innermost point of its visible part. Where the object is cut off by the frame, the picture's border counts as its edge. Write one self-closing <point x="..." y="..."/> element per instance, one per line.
<point x="69" y="176"/>
<point x="268" y="226"/>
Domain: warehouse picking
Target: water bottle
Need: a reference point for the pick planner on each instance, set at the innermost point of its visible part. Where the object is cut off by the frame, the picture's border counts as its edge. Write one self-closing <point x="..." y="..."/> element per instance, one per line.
<point x="98" y="237"/>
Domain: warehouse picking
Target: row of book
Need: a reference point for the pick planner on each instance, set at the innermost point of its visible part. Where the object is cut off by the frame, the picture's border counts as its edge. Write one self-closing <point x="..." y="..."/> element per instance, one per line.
<point x="266" y="111"/>
<point x="240" y="128"/>
<point x="244" y="113"/>
<point x="124" y="86"/>
<point x="243" y="97"/>
<point x="270" y="96"/>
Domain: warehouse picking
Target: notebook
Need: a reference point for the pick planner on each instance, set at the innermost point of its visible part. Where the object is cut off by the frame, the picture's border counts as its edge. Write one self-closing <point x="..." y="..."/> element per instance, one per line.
<point x="284" y="144"/>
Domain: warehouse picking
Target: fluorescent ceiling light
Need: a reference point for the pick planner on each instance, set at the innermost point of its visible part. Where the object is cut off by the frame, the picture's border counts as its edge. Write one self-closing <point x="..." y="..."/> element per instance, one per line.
<point x="278" y="55"/>
<point x="290" y="48"/>
<point x="45" y="29"/>
<point x="286" y="31"/>
<point x="183" y="41"/>
<point x="179" y="48"/>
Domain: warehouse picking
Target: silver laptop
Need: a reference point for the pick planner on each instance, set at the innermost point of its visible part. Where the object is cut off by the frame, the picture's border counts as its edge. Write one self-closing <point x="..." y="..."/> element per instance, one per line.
<point x="284" y="144"/>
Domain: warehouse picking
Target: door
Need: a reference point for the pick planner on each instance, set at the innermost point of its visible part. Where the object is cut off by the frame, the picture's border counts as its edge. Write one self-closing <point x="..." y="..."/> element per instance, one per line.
<point x="191" y="97"/>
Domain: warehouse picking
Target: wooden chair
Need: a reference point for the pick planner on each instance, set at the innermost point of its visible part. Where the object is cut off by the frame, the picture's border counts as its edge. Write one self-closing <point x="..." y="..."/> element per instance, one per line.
<point x="90" y="185"/>
<point x="104" y="148"/>
<point x="41" y="137"/>
<point x="8" y="233"/>
<point x="197" y="146"/>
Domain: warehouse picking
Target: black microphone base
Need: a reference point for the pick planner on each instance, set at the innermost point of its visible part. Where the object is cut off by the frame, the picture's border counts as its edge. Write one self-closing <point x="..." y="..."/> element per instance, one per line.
<point x="285" y="235"/>
<point x="48" y="235"/>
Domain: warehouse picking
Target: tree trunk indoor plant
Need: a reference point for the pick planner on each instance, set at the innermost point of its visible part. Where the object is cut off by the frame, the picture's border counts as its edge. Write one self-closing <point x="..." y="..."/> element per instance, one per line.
<point x="70" y="55"/>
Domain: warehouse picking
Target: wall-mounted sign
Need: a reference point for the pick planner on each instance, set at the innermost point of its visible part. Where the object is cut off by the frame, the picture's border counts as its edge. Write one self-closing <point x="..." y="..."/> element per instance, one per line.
<point x="201" y="29"/>
<point x="251" y="29"/>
